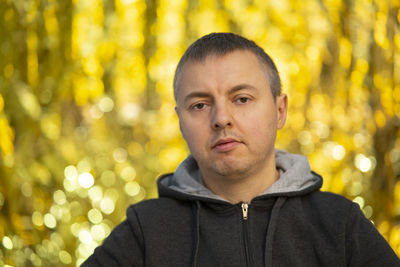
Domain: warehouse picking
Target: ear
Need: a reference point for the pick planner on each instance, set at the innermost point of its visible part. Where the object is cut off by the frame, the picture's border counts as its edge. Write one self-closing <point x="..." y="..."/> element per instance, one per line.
<point x="281" y="108"/>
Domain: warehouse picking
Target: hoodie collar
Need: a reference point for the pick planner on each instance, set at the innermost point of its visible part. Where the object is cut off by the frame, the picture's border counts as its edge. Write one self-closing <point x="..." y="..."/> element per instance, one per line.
<point x="295" y="174"/>
<point x="295" y="178"/>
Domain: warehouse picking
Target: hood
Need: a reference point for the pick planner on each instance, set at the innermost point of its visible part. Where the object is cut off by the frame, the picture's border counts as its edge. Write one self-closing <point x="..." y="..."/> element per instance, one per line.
<point x="295" y="178"/>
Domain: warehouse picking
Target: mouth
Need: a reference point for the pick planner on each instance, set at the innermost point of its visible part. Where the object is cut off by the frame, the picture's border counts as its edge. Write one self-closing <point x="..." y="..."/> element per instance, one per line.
<point x="226" y="144"/>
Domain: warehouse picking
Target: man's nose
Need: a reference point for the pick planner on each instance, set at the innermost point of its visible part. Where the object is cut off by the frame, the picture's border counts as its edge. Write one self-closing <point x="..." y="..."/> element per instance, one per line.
<point x="221" y="117"/>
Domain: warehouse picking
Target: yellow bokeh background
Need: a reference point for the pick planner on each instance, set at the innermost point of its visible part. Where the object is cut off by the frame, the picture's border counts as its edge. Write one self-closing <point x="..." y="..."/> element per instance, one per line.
<point x="87" y="121"/>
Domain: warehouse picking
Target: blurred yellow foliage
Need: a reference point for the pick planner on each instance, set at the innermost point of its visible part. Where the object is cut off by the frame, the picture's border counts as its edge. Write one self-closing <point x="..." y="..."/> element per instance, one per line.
<point x="87" y="119"/>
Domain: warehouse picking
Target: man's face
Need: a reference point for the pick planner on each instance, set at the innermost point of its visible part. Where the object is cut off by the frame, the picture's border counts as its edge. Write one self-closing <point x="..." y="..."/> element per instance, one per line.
<point x="227" y="114"/>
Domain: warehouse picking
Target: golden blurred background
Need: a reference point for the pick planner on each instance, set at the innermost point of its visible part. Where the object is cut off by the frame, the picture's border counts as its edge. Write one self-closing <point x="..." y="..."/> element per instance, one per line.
<point x="87" y="120"/>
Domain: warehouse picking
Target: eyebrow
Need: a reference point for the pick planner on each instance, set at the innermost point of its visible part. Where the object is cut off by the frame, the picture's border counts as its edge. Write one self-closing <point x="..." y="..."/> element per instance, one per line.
<point x="241" y="87"/>
<point x="208" y="95"/>
<point x="196" y="94"/>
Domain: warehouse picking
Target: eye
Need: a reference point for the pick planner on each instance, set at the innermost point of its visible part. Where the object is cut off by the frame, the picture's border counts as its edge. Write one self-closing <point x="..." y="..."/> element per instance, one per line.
<point x="198" y="106"/>
<point x="243" y="100"/>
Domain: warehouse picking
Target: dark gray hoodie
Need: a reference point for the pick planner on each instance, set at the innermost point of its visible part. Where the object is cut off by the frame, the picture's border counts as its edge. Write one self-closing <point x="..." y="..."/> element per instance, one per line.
<point x="292" y="223"/>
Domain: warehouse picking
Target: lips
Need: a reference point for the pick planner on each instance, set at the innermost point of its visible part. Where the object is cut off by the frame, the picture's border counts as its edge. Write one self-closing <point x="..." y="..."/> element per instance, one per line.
<point x="226" y="144"/>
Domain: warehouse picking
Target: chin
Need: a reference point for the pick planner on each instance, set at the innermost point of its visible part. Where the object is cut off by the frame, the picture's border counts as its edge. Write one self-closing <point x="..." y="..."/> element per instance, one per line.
<point x="231" y="169"/>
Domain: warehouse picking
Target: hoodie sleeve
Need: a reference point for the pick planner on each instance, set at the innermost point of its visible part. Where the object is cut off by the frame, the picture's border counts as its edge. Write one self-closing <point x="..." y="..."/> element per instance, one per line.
<point x="365" y="245"/>
<point x="123" y="247"/>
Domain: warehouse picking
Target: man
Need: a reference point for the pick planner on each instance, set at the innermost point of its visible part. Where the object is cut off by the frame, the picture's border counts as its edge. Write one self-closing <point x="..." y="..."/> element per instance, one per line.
<point x="236" y="201"/>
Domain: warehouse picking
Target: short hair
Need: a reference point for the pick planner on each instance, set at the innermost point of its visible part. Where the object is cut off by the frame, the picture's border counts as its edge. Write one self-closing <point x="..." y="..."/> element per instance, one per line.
<point x="222" y="43"/>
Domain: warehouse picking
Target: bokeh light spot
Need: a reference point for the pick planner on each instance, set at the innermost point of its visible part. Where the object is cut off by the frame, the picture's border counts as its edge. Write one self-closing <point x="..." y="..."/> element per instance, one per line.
<point x="130" y="112"/>
<point x="86" y="180"/>
<point x="95" y="193"/>
<point x="363" y="163"/>
<point x="37" y="218"/>
<point x="70" y="172"/>
<point x="132" y="188"/>
<point x="107" y="205"/>
<point x="360" y="201"/>
<point x="98" y="232"/>
<point x="65" y="257"/>
<point x="26" y="189"/>
<point x="106" y="104"/>
<point x="128" y="173"/>
<point x="95" y="216"/>
<point x="304" y="137"/>
<point x="120" y="155"/>
<point x="7" y="242"/>
<point x="338" y="152"/>
<point x="85" y="237"/>
<point x="50" y="221"/>
<point x="59" y="197"/>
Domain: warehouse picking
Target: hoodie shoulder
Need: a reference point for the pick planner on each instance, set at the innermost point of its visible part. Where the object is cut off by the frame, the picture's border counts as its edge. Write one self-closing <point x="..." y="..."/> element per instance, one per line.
<point x="331" y="203"/>
<point x="326" y="199"/>
<point x="156" y="209"/>
<point x="364" y="245"/>
<point x="163" y="223"/>
<point x="320" y="208"/>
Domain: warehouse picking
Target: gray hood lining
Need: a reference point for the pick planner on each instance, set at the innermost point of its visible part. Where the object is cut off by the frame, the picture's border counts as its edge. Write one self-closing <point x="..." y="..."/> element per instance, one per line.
<point x="294" y="176"/>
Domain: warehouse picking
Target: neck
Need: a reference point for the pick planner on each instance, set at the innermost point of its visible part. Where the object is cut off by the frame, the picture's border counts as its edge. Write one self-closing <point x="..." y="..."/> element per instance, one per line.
<point x="242" y="189"/>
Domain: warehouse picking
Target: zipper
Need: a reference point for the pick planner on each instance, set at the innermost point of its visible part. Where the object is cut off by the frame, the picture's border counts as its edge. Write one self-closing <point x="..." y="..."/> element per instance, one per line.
<point x="245" y="210"/>
<point x="245" y="213"/>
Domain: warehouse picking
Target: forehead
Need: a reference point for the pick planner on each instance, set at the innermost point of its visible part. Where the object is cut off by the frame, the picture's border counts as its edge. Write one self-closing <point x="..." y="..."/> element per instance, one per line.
<point x="220" y="71"/>
<point x="214" y="58"/>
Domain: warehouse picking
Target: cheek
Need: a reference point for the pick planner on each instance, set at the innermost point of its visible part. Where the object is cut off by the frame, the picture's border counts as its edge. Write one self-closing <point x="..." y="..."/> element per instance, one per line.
<point x="260" y="125"/>
<point x="185" y="130"/>
<point x="193" y="132"/>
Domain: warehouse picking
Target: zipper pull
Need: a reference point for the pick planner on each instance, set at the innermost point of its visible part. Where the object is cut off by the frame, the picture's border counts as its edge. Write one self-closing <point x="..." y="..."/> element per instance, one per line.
<point x="245" y="209"/>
